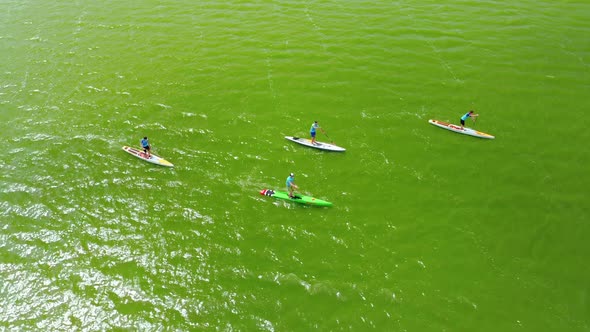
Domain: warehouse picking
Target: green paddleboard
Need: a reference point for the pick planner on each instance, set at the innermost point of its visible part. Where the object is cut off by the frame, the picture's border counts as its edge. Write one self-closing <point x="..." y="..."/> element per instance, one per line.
<point x="301" y="199"/>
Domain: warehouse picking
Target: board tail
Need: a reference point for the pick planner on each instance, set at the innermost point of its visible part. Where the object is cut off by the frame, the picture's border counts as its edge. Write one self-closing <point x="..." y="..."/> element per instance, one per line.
<point x="267" y="192"/>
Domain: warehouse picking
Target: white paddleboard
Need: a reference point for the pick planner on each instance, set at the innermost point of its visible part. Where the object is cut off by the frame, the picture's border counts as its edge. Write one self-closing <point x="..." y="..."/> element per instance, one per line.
<point x="317" y="145"/>
<point x="153" y="158"/>
<point x="458" y="129"/>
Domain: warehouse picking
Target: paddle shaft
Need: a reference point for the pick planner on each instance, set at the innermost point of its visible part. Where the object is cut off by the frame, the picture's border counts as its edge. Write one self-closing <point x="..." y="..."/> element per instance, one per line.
<point x="328" y="137"/>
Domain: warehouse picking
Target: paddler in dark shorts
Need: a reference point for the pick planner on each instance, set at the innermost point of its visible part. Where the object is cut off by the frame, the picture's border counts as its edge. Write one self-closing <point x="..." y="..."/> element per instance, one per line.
<point x="146" y="147"/>
<point x="469" y="114"/>
<point x="312" y="131"/>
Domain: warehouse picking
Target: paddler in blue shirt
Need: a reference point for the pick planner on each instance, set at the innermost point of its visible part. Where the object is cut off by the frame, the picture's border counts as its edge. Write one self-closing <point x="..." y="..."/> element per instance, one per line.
<point x="312" y="131"/>
<point x="291" y="186"/>
<point x="469" y="114"/>
<point x="146" y="147"/>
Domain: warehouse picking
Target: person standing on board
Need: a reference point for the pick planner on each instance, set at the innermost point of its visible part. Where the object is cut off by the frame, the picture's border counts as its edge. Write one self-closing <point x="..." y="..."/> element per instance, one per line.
<point x="146" y="147"/>
<point x="291" y="186"/>
<point x="469" y="114"/>
<point x="312" y="131"/>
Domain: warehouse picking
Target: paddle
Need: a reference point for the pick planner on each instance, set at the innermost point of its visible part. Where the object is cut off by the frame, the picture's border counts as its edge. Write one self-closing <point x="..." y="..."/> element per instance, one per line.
<point x="331" y="142"/>
<point x="294" y="188"/>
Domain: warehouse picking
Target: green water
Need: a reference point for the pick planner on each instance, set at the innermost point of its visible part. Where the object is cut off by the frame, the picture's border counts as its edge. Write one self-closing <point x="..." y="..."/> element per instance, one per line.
<point x="430" y="230"/>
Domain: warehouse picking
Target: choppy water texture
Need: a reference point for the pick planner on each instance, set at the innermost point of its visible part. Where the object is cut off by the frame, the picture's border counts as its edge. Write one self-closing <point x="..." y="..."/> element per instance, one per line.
<point x="430" y="230"/>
